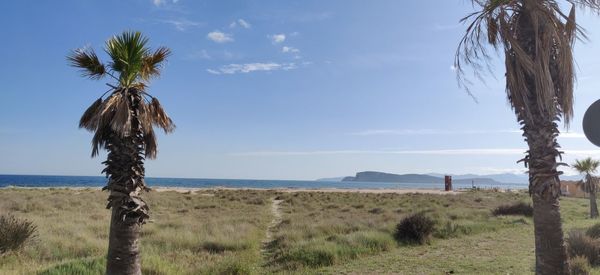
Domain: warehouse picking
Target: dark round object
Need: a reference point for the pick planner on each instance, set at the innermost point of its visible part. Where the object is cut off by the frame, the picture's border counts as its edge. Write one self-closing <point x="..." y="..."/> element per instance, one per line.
<point x="591" y="123"/>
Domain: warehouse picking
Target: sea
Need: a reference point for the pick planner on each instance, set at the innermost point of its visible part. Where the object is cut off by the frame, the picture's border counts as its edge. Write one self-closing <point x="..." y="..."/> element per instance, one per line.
<point x="99" y="181"/>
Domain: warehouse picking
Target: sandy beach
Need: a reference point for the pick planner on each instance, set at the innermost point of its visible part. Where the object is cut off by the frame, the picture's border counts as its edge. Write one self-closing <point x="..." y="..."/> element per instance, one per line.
<point x="326" y="190"/>
<point x="284" y="190"/>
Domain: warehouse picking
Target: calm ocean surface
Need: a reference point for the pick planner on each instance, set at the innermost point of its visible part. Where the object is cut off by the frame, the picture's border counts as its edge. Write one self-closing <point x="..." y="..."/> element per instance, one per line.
<point x="89" y="181"/>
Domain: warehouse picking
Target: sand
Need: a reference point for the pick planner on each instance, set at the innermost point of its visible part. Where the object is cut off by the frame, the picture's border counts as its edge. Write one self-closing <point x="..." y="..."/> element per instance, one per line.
<point x="292" y="190"/>
<point x="286" y="190"/>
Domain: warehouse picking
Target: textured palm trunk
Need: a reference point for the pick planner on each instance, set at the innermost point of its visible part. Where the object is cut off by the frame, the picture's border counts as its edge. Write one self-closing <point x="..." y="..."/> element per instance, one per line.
<point x="123" y="247"/>
<point x="540" y="130"/>
<point x="544" y="187"/>
<point x="125" y="168"/>
<point x="593" y="205"/>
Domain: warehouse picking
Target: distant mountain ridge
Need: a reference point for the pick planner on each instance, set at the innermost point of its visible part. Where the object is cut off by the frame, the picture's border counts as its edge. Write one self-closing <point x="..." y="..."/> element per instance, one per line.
<point x="373" y="176"/>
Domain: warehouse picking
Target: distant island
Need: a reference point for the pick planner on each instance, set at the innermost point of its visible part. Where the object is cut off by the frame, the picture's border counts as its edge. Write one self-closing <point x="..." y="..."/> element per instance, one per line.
<point x="374" y="176"/>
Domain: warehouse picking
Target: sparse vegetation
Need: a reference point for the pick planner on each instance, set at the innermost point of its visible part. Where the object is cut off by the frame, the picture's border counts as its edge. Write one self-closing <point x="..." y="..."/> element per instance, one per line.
<point x="14" y="233"/>
<point x="579" y="265"/>
<point x="414" y="229"/>
<point x="320" y="233"/>
<point x="519" y="208"/>
<point x="579" y="244"/>
<point x="594" y="231"/>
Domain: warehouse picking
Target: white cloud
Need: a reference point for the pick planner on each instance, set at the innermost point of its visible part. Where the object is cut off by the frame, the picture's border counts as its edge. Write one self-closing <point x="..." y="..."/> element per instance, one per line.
<point x="241" y="22"/>
<point x="252" y="67"/>
<point x="458" y="152"/>
<point x="277" y="38"/>
<point x="244" y="23"/>
<point x="287" y="49"/>
<point x="159" y="3"/>
<point x="182" y="24"/>
<point x="219" y="37"/>
<point x="404" y="132"/>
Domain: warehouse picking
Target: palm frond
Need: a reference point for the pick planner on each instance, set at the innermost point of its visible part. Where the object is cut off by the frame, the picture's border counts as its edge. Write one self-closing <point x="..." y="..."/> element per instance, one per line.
<point x="152" y="63"/>
<point x="159" y="117"/>
<point x="548" y="65"/>
<point x="127" y="52"/>
<point x="150" y="144"/>
<point x="89" y="118"/>
<point x="88" y="62"/>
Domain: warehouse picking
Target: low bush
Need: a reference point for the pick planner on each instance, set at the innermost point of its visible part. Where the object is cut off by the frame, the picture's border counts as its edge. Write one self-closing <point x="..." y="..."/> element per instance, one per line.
<point x="519" y="208"/>
<point x="594" y="231"/>
<point x="414" y="229"/>
<point x="579" y="244"/>
<point x="579" y="266"/>
<point x="451" y="230"/>
<point x="221" y="247"/>
<point x="310" y="256"/>
<point x="14" y="233"/>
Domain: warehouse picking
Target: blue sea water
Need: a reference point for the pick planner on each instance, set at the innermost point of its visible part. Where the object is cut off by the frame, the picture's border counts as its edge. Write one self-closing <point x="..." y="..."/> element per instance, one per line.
<point x="97" y="181"/>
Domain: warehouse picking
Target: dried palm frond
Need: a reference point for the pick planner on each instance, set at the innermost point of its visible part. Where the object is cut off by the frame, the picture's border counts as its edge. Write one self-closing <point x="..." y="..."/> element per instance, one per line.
<point x="548" y="64"/>
<point x="159" y="117"/>
<point x="121" y="121"/>
<point x="88" y="119"/>
<point x="150" y="144"/>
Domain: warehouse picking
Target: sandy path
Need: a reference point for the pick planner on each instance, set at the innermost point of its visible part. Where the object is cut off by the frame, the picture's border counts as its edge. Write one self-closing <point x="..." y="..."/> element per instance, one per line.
<point x="272" y="228"/>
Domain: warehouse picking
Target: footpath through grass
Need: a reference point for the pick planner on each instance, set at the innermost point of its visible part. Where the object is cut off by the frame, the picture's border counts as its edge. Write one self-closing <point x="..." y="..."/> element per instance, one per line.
<point x="221" y="232"/>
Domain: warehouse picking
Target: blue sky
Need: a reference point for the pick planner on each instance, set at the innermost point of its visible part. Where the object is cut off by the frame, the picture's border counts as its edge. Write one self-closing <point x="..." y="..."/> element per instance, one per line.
<point x="272" y="89"/>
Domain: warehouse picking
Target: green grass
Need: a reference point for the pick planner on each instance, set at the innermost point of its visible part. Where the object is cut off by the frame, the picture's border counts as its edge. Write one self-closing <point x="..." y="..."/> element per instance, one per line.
<point x="221" y="232"/>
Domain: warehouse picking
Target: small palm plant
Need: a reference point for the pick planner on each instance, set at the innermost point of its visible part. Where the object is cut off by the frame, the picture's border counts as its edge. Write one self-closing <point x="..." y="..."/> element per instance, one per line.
<point x="122" y="123"/>
<point x="589" y="185"/>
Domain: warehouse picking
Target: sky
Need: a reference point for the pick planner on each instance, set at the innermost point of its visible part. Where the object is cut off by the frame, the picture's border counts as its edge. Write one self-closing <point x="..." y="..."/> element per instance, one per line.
<point x="273" y="89"/>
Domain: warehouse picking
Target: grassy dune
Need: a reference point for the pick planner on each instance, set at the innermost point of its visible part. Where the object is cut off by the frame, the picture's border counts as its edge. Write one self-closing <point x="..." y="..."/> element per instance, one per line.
<point x="222" y="232"/>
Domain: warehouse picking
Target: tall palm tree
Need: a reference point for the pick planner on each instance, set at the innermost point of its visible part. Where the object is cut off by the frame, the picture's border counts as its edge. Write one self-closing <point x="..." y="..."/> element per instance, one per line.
<point x="587" y="167"/>
<point x="536" y="37"/>
<point x="122" y="123"/>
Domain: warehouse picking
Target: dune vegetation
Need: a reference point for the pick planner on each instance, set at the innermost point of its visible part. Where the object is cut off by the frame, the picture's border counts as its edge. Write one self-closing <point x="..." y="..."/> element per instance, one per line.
<point x="218" y="231"/>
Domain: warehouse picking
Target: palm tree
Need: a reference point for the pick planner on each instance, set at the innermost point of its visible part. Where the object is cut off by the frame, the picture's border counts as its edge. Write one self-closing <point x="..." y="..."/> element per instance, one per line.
<point x="589" y="185"/>
<point x="122" y="123"/>
<point x="536" y="37"/>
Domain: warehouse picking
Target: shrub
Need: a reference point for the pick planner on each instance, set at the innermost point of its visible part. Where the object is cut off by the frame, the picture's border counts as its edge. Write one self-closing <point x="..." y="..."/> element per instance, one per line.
<point x="14" y="233"/>
<point x="594" y="231"/>
<point x="579" y="244"/>
<point x="311" y="256"/>
<point x="416" y="228"/>
<point x="221" y="247"/>
<point x="579" y="266"/>
<point x="452" y="230"/>
<point x="519" y="208"/>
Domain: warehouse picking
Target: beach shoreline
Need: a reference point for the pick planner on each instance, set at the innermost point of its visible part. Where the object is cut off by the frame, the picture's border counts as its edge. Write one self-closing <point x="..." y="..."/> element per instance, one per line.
<point x="283" y="190"/>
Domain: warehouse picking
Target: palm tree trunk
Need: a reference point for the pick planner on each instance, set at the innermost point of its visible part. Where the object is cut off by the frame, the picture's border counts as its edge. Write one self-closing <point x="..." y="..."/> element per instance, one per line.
<point x="125" y="169"/>
<point x="540" y="131"/>
<point x="544" y="187"/>
<point x="593" y="205"/>
<point x="123" y="247"/>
